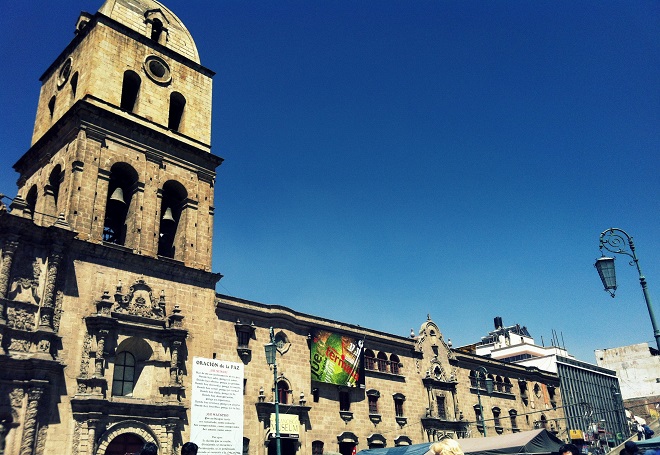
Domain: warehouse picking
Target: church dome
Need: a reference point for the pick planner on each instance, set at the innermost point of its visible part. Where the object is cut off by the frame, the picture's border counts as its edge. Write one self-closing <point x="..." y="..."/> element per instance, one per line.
<point x="153" y="19"/>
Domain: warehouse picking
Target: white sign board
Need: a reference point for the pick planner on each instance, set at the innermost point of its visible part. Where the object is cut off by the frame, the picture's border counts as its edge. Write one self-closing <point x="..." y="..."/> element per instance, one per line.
<point x="217" y="407"/>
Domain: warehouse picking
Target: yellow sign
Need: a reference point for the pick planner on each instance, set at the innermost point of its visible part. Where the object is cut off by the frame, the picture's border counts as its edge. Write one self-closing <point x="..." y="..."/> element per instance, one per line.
<point x="289" y="425"/>
<point x="575" y="434"/>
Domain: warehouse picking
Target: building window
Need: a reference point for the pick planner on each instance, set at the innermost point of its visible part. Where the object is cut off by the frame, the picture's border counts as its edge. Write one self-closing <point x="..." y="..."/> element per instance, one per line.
<point x="31" y="200"/>
<point x="372" y="397"/>
<point x="382" y="361"/>
<point x="53" y="191"/>
<point x="394" y="364"/>
<point x="442" y="407"/>
<point x="156" y="30"/>
<point x="243" y="338"/>
<point x="344" y="401"/>
<point x="317" y="448"/>
<point x="496" y="420"/>
<point x="130" y="90"/>
<point x="507" y="385"/>
<point x="283" y="392"/>
<point x="123" y="380"/>
<point x="171" y="238"/>
<point x="74" y="84"/>
<point x="246" y="446"/>
<point x="51" y="106"/>
<point x="369" y="360"/>
<point x="398" y="404"/>
<point x="499" y="384"/>
<point x="123" y="179"/>
<point x="177" y="103"/>
<point x="478" y="418"/>
<point x="513" y="414"/>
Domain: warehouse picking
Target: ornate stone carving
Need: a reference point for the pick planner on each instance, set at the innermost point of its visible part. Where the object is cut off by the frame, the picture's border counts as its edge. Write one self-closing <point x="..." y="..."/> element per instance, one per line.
<point x="84" y="362"/>
<point x="139" y="301"/>
<point x="16" y="398"/>
<point x="57" y="315"/>
<point x="9" y="250"/>
<point x="25" y="285"/>
<point x="21" y="318"/>
<point x="100" y="352"/>
<point x="51" y="279"/>
<point x="30" y="424"/>
<point x="18" y="344"/>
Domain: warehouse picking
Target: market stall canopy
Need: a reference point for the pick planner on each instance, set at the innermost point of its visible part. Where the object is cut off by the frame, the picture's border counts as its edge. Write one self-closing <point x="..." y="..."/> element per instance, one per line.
<point x="653" y="443"/>
<point x="535" y="441"/>
<point x="526" y="442"/>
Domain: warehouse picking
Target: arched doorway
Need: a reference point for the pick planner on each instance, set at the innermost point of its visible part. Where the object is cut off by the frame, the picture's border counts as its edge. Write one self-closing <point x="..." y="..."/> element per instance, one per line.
<point x="288" y="446"/>
<point x="125" y="444"/>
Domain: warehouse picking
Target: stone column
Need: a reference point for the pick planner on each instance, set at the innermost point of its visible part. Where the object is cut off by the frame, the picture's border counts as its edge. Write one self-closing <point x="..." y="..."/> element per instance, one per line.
<point x="174" y="363"/>
<point x="8" y="253"/>
<point x="47" y="306"/>
<point x="100" y="348"/>
<point x="170" y="427"/>
<point x="30" y="425"/>
<point x="92" y="433"/>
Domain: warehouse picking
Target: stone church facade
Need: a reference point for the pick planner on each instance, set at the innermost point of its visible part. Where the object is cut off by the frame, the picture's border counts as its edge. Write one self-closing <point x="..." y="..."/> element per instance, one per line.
<point x="107" y="293"/>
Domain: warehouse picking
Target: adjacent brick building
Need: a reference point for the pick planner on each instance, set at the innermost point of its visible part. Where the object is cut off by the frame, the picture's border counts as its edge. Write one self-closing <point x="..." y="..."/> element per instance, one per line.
<point x="107" y="293"/>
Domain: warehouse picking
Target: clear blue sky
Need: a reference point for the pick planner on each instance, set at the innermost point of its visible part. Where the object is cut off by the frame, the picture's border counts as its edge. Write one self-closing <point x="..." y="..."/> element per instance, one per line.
<point x="389" y="159"/>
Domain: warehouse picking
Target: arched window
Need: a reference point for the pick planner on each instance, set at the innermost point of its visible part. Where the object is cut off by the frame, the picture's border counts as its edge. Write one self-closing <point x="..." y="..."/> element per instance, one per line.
<point x="372" y="398"/>
<point x="53" y="191"/>
<point x="513" y="414"/>
<point x="130" y="90"/>
<point x="399" y="398"/>
<point x="283" y="392"/>
<point x="123" y="380"/>
<point x="74" y="84"/>
<point x="51" y="106"/>
<point x="394" y="364"/>
<point x="123" y="444"/>
<point x="31" y="200"/>
<point x="118" y="204"/>
<point x="177" y="104"/>
<point x="156" y="29"/>
<point x="317" y="448"/>
<point x="171" y="233"/>
<point x="369" y="359"/>
<point x="381" y="359"/>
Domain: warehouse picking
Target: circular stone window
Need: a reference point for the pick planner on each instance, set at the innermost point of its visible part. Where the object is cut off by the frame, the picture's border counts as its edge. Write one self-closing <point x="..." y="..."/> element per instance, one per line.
<point x="157" y="70"/>
<point x="64" y="73"/>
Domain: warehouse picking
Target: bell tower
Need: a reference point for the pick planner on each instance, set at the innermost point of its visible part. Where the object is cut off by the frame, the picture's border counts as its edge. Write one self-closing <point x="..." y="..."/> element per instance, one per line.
<point x="106" y="288"/>
<point x="121" y="141"/>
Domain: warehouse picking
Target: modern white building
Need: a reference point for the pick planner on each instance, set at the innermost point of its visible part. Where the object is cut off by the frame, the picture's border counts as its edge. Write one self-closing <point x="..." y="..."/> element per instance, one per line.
<point x="592" y="395"/>
<point x="638" y="369"/>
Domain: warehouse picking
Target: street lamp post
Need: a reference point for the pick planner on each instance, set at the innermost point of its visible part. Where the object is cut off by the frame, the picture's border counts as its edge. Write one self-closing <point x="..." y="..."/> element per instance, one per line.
<point x="617" y="241"/>
<point x="489" y="388"/>
<point x="271" y="358"/>
<point x="616" y="398"/>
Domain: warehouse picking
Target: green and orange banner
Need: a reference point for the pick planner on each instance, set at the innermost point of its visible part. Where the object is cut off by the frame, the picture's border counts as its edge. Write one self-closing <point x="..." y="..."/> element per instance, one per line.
<point x="336" y="359"/>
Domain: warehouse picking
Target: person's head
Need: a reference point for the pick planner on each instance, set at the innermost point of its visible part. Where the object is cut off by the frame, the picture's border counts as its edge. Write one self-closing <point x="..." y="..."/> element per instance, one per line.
<point x="189" y="448"/>
<point x="631" y="447"/>
<point x="149" y="449"/>
<point x="569" y="449"/>
<point x="446" y="447"/>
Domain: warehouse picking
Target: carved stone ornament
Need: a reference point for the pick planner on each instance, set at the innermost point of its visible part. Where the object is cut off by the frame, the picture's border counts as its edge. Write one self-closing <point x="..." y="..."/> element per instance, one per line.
<point x="21" y="318"/>
<point x="25" y="286"/>
<point x="139" y="302"/>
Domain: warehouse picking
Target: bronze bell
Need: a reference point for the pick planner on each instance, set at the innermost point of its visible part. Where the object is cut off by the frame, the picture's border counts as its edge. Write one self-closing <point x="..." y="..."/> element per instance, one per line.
<point x="168" y="215"/>
<point x="118" y="195"/>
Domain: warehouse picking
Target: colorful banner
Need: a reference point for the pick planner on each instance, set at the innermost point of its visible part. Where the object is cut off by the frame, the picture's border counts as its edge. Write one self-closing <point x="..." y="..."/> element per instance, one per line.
<point x="336" y="359"/>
